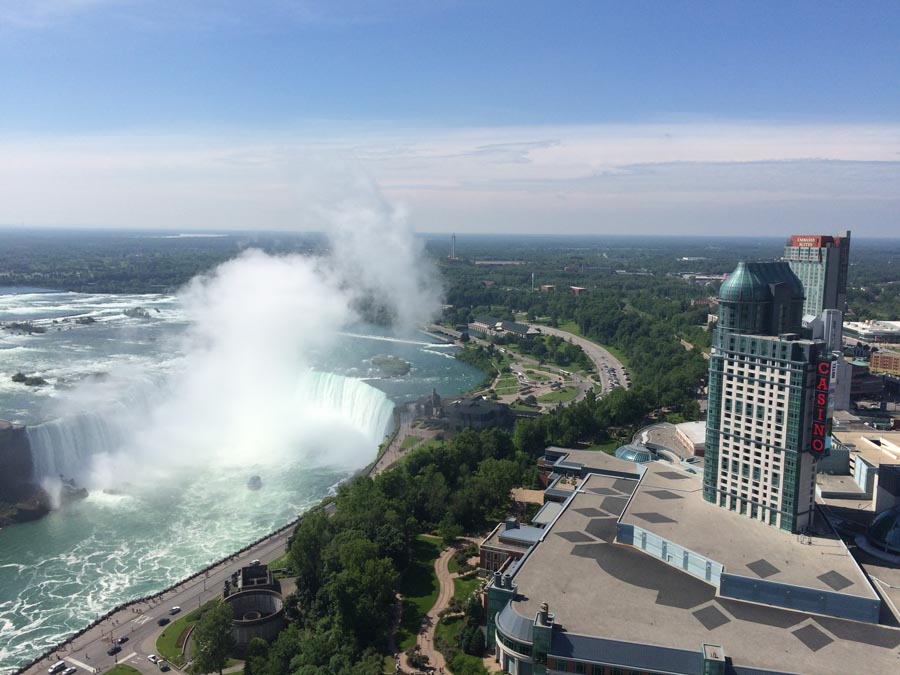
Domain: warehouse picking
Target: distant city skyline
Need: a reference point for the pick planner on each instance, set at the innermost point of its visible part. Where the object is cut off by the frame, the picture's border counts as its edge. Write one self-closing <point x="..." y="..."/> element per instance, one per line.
<point x="583" y="118"/>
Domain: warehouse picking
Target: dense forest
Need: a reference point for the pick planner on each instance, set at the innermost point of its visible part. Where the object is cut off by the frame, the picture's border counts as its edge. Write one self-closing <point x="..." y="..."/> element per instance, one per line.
<point x="349" y="564"/>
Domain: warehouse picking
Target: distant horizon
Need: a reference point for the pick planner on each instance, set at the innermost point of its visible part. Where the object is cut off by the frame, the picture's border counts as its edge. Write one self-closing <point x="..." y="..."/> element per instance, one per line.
<point x="222" y="232"/>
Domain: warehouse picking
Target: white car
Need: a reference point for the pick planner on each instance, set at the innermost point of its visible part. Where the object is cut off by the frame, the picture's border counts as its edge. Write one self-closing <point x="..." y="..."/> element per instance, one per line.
<point x="56" y="667"/>
<point x="153" y="658"/>
<point x="175" y="610"/>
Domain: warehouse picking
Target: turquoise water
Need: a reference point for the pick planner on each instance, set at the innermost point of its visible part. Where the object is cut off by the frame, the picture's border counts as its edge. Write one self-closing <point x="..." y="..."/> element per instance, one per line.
<point x="164" y="508"/>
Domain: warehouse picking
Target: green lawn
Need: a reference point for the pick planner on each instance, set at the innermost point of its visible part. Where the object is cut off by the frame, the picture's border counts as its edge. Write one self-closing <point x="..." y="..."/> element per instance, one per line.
<point x="507" y="384"/>
<point x="419" y="587"/>
<point x="281" y="562"/>
<point x="410" y="442"/>
<point x="609" y="446"/>
<point x="448" y="629"/>
<point x="463" y="588"/>
<point x="560" y="395"/>
<point x="167" y="642"/>
<point x="123" y="670"/>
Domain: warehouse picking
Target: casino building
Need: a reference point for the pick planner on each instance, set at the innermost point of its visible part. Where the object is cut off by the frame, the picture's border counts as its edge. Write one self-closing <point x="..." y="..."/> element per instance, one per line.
<point x="767" y="420"/>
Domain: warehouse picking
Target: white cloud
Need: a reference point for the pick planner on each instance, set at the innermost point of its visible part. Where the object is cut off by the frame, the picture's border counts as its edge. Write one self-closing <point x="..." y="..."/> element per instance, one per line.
<point x="694" y="176"/>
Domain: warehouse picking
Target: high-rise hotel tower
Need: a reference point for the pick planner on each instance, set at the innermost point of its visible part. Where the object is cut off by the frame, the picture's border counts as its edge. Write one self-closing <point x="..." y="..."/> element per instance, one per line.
<point x="767" y="421"/>
<point x="821" y="262"/>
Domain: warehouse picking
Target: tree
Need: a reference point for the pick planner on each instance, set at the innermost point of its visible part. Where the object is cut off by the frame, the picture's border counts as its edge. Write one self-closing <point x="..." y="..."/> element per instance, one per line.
<point x="214" y="639"/>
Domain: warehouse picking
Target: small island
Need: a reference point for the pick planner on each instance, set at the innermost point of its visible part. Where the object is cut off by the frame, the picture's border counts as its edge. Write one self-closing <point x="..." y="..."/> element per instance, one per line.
<point x="390" y="366"/>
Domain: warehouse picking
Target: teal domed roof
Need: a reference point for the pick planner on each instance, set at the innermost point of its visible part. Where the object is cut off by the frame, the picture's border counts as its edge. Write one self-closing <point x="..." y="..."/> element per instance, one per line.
<point x="635" y="453"/>
<point x="884" y="531"/>
<point x="744" y="285"/>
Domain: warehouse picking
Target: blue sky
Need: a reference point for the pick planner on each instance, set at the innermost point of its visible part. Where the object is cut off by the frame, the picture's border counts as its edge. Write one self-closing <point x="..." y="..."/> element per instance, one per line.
<point x="471" y="116"/>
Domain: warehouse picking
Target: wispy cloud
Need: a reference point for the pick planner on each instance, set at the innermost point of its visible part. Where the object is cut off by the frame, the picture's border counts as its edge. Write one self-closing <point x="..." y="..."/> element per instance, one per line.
<point x="694" y="176"/>
<point x="42" y="13"/>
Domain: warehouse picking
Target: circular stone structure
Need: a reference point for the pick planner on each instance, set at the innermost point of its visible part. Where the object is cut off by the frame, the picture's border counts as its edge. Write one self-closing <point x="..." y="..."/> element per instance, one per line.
<point x="258" y="613"/>
<point x="884" y="532"/>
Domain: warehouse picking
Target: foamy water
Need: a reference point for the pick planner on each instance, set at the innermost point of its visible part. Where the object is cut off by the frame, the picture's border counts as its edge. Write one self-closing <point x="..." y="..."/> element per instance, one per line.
<point x="162" y="524"/>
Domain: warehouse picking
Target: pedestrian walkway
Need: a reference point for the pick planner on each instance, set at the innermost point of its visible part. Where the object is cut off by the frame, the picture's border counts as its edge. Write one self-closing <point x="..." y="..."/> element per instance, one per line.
<point x="425" y="639"/>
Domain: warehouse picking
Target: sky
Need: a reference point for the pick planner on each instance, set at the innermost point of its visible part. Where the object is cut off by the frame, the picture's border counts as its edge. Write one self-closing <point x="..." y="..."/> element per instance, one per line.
<point x="507" y="116"/>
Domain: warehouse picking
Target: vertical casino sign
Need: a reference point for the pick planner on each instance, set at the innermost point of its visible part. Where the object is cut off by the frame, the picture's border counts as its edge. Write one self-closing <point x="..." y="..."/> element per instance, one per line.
<point x="820" y="407"/>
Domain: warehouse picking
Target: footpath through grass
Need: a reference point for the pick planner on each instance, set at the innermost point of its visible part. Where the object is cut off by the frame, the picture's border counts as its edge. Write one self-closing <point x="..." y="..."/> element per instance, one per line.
<point x="448" y="629"/>
<point x="419" y="587"/>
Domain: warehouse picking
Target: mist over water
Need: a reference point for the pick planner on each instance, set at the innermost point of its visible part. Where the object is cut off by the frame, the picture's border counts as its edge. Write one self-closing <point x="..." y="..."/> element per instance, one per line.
<point x="262" y="366"/>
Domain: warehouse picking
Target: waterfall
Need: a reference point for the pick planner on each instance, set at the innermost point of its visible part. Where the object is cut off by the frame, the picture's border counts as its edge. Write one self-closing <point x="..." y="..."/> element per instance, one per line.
<point x="66" y="445"/>
<point x="366" y="408"/>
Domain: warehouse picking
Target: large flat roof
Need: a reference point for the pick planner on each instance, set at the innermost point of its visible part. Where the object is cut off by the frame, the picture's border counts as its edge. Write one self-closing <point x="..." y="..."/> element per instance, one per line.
<point x="873" y="446"/>
<point x="595" y="459"/>
<point x="739" y="543"/>
<point x="596" y="587"/>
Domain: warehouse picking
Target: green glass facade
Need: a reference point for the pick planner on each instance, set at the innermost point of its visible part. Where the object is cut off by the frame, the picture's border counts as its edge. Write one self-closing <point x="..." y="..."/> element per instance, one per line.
<point x="761" y="378"/>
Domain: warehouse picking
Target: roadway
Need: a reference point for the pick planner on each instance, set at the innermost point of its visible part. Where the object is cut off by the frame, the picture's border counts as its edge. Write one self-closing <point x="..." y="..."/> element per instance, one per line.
<point x="600" y="356"/>
<point x="87" y="652"/>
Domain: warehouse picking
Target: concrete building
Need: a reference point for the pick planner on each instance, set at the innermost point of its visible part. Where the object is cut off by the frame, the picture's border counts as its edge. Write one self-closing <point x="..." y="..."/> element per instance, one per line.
<point x="258" y="606"/>
<point x="692" y="437"/>
<point x="639" y="574"/>
<point x="885" y="363"/>
<point x="873" y="332"/>
<point x="821" y="263"/>
<point x="767" y="420"/>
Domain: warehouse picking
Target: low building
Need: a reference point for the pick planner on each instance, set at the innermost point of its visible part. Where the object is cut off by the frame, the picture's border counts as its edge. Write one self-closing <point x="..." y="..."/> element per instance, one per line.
<point x="485" y="325"/>
<point x="547" y="288"/>
<point x="641" y="575"/>
<point x="578" y="290"/>
<point x="873" y="331"/>
<point x="885" y="363"/>
<point x="692" y="437"/>
<point x="863" y="384"/>
<point x="507" y="541"/>
<point x="476" y="414"/>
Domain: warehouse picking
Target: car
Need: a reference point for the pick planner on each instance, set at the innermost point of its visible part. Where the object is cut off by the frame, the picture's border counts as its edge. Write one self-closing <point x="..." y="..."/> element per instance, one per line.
<point x="162" y="621"/>
<point x="152" y="658"/>
<point x="254" y="562"/>
<point x="115" y="649"/>
<point x="71" y="670"/>
<point x="175" y="610"/>
<point x="122" y="640"/>
<point x="56" y="667"/>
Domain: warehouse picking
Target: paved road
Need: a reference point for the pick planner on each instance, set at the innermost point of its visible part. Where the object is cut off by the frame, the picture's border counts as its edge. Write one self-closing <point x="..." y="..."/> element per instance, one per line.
<point x="87" y="653"/>
<point x="600" y="356"/>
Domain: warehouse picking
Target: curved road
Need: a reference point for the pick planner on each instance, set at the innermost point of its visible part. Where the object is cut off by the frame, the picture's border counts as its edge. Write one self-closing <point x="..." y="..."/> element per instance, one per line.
<point x="599" y="355"/>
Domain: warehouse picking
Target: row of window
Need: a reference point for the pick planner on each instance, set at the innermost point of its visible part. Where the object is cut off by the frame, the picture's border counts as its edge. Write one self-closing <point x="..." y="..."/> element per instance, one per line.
<point x="565" y="666"/>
